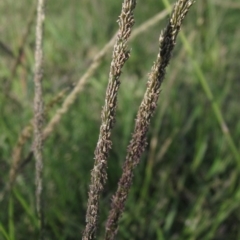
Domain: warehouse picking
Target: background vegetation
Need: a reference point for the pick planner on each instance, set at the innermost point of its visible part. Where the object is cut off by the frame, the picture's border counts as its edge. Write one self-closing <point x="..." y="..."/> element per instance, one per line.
<point x="187" y="185"/>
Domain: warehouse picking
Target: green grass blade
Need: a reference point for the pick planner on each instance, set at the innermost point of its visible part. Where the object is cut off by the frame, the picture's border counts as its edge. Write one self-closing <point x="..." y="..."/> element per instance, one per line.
<point x="26" y="207"/>
<point x="4" y="232"/>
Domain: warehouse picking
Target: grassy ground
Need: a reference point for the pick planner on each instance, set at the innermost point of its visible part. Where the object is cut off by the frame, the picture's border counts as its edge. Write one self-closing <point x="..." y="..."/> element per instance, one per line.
<point x="187" y="185"/>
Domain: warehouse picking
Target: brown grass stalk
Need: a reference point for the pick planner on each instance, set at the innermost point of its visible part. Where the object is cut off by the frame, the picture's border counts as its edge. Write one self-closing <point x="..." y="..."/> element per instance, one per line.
<point x="99" y="171"/>
<point x="39" y="114"/>
<point x="146" y="110"/>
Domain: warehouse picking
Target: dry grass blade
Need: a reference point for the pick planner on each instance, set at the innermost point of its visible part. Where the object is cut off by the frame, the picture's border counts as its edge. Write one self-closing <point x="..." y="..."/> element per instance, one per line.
<point x="146" y="110"/>
<point x="39" y="114"/>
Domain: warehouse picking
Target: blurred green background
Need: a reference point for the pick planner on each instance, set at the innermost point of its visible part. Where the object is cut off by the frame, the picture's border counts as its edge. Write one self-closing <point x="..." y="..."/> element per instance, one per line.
<point x="187" y="185"/>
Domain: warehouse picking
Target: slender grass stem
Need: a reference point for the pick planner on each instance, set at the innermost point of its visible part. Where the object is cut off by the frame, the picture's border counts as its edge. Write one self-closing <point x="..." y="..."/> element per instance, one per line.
<point x="39" y="115"/>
